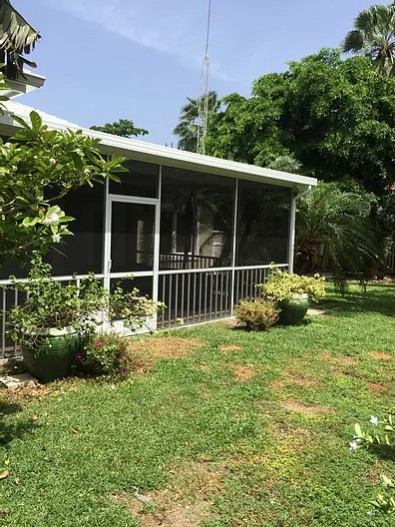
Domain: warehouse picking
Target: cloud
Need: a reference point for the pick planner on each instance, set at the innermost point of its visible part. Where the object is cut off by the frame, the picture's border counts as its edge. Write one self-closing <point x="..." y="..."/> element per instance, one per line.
<point x="176" y="28"/>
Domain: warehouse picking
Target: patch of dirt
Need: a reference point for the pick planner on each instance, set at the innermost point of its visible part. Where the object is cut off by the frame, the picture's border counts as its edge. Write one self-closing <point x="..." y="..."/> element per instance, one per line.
<point x="340" y="364"/>
<point x="379" y="355"/>
<point x="165" y="347"/>
<point x="185" y="503"/>
<point x="377" y="387"/>
<point x="140" y="365"/>
<point x="242" y="373"/>
<point x="29" y="393"/>
<point x="296" y="406"/>
<point x="230" y="347"/>
<point x="292" y="377"/>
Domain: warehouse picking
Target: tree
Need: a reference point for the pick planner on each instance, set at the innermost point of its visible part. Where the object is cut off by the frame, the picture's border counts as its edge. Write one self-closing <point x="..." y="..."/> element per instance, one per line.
<point x="374" y="36"/>
<point x="187" y="128"/>
<point x="247" y="130"/>
<point x="335" y="230"/>
<point x="17" y="37"/>
<point x="122" y="127"/>
<point x="38" y="167"/>
<point x="336" y="117"/>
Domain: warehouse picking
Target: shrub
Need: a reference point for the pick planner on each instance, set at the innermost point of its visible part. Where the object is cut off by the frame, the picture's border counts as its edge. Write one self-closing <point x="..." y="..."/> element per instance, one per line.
<point x="257" y="314"/>
<point x="281" y="285"/>
<point x="381" y="435"/>
<point x="104" y="354"/>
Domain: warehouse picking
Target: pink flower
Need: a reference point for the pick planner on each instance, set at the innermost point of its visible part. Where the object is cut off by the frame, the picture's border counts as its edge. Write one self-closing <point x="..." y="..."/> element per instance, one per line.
<point x="121" y="370"/>
<point x="105" y="343"/>
<point x="79" y="357"/>
<point x="122" y="357"/>
<point x="98" y="343"/>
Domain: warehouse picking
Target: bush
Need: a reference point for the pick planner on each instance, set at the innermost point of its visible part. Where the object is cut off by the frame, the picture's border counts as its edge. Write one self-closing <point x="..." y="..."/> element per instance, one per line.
<point x="281" y="286"/>
<point x="379" y="436"/>
<point x="104" y="354"/>
<point x="257" y="314"/>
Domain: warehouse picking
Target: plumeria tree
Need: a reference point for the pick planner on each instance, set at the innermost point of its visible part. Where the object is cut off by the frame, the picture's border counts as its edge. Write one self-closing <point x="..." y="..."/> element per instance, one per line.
<point x="38" y="167"/>
<point x="380" y="434"/>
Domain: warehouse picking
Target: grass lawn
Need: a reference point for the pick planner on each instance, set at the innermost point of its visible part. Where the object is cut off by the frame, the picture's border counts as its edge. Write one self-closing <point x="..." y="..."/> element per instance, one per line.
<point x="216" y="428"/>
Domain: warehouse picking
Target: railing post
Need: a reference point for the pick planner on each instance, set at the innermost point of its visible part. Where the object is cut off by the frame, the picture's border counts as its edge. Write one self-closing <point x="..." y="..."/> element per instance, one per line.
<point x="234" y="241"/>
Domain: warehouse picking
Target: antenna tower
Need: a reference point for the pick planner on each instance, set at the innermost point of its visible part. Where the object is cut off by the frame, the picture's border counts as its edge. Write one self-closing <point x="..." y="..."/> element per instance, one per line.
<point x="203" y="102"/>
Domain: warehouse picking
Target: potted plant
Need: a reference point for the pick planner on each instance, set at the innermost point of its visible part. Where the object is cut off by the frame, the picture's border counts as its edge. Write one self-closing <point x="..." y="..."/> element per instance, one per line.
<point x="292" y="293"/>
<point x="52" y="321"/>
<point x="55" y="319"/>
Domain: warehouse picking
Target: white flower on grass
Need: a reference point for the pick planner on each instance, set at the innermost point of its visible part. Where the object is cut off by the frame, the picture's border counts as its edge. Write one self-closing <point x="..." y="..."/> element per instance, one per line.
<point x="374" y="420"/>
<point x="51" y="219"/>
<point x="353" y="446"/>
<point x="371" y="514"/>
<point x="52" y="161"/>
<point x="56" y="238"/>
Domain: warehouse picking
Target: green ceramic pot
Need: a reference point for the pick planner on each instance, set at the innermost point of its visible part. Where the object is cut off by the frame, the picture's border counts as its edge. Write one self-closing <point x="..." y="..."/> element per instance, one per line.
<point x="294" y="310"/>
<point x="52" y="352"/>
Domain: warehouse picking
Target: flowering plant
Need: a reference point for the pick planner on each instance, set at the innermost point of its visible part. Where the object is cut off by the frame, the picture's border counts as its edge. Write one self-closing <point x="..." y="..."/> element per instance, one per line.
<point x="281" y="286"/>
<point x="257" y="314"/>
<point x="379" y="435"/>
<point x="51" y="304"/>
<point x="104" y="354"/>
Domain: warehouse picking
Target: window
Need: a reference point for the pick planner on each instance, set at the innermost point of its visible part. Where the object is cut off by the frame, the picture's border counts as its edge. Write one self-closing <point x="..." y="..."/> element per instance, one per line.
<point x="262" y="224"/>
<point x="141" y="180"/>
<point x="196" y="220"/>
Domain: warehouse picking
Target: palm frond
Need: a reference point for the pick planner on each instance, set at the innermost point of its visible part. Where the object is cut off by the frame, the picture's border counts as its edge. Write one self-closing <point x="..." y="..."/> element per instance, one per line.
<point x="16" y="34"/>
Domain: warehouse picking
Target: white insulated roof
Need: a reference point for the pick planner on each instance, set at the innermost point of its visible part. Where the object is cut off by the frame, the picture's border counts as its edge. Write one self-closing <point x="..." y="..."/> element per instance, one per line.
<point x="151" y="153"/>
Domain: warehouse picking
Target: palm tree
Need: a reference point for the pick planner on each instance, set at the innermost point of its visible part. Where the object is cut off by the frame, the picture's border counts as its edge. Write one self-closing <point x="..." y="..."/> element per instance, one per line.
<point x="335" y="231"/>
<point x="17" y="37"/>
<point x="374" y="36"/>
<point x="189" y="121"/>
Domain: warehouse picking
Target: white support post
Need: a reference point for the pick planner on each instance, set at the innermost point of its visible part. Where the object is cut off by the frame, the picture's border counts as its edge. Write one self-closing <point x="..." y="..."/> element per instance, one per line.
<point x="234" y="241"/>
<point x="107" y="236"/>
<point x="291" y="245"/>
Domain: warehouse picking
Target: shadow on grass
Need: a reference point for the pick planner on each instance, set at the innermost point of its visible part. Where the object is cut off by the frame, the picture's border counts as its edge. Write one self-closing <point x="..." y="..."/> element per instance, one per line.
<point x="10" y="431"/>
<point x="385" y="452"/>
<point x="377" y="298"/>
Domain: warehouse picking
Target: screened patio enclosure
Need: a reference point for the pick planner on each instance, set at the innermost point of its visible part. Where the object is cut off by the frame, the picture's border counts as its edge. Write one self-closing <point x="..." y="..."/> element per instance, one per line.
<point x="196" y="233"/>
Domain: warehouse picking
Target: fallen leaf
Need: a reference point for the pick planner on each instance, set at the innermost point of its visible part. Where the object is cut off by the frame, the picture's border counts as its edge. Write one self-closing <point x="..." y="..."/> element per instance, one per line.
<point x="17" y="481"/>
<point x="3" y="512"/>
<point x="4" y="474"/>
<point x="7" y="462"/>
<point x="76" y="430"/>
<point x="34" y="417"/>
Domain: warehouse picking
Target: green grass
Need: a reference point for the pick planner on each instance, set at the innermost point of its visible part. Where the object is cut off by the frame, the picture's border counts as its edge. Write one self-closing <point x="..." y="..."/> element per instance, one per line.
<point x="269" y="450"/>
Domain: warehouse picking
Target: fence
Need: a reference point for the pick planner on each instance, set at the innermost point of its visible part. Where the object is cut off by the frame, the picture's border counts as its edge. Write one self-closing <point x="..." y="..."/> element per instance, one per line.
<point x="191" y="295"/>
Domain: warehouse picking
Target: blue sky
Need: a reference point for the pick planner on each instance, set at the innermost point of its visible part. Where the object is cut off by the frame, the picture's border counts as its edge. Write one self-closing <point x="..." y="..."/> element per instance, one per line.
<point x="140" y="59"/>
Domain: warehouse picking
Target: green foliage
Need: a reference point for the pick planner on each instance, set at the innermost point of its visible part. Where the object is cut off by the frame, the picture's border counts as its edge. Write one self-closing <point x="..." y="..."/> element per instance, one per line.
<point x="53" y="304"/>
<point x="281" y="285"/>
<point x="104" y="354"/>
<point x="257" y="314"/>
<point x="381" y="435"/>
<point x="37" y="167"/>
<point x="189" y="121"/>
<point x="374" y="36"/>
<point x="335" y="117"/>
<point x="335" y="231"/>
<point x="122" y="127"/>
<point x="254" y="450"/>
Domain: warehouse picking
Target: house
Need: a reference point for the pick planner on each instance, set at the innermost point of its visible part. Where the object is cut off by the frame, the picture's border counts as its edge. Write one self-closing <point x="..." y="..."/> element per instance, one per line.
<point x="196" y="232"/>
